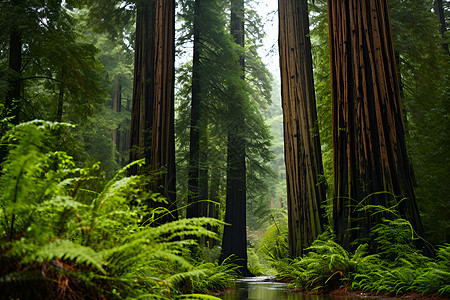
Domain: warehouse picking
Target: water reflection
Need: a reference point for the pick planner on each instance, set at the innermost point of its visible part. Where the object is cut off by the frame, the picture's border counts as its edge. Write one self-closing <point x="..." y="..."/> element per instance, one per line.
<point x="258" y="288"/>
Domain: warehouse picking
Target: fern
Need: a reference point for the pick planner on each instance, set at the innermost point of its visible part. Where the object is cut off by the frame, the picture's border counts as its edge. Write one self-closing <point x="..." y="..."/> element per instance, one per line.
<point x="67" y="250"/>
<point x="67" y="229"/>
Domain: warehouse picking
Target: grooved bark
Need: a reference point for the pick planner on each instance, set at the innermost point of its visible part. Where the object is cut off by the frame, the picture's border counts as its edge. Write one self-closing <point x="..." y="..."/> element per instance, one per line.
<point x="305" y="190"/>
<point x="368" y="131"/>
<point x="152" y="118"/>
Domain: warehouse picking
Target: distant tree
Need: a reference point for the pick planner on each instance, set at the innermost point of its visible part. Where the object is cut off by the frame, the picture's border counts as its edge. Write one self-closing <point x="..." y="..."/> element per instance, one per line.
<point x="195" y="208"/>
<point x="234" y="240"/>
<point x="440" y="12"/>
<point x="368" y="133"/>
<point x="304" y="170"/>
<point x="424" y="76"/>
<point x="15" y="65"/>
<point x="52" y="72"/>
<point x="152" y="118"/>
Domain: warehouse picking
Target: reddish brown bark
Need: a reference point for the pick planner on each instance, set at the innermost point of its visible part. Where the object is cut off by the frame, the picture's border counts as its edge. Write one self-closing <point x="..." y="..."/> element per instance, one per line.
<point x="368" y="131"/>
<point x="152" y="118"/>
<point x="305" y="190"/>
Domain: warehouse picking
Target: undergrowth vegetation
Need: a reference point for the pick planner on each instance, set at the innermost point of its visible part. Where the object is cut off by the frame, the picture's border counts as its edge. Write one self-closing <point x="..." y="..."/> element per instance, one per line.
<point x="67" y="233"/>
<point x="391" y="265"/>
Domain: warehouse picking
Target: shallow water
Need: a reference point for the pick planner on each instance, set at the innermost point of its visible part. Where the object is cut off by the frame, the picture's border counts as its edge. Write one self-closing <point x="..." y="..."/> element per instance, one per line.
<point x="260" y="288"/>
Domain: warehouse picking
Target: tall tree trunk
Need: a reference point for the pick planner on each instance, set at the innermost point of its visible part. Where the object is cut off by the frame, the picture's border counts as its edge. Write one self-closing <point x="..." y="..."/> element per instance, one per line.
<point x="439" y="9"/>
<point x="152" y="117"/>
<point x="213" y="211"/>
<point x="117" y="107"/>
<point x="12" y="101"/>
<point x="368" y="131"/>
<point x="12" y="96"/>
<point x="193" y="210"/>
<point x="59" y="109"/>
<point x="143" y="83"/>
<point x="235" y="235"/>
<point x="117" y="95"/>
<point x="203" y="172"/>
<point x="305" y="189"/>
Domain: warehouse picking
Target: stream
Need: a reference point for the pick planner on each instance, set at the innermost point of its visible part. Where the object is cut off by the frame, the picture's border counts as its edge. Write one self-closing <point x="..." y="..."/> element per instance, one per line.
<point x="261" y="288"/>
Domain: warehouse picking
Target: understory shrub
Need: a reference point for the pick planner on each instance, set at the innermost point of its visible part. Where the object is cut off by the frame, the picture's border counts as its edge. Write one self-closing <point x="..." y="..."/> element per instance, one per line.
<point x="67" y="233"/>
<point x="396" y="267"/>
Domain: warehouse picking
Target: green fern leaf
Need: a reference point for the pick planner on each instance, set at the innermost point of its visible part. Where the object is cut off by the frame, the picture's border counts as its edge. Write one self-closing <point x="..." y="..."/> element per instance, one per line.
<point x="64" y="249"/>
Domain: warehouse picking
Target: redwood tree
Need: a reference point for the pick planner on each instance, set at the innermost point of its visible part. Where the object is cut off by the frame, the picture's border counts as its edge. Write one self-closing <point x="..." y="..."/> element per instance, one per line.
<point x="305" y="190"/>
<point x="152" y="117"/>
<point x="370" y="159"/>
<point x="235" y="234"/>
<point x="193" y="210"/>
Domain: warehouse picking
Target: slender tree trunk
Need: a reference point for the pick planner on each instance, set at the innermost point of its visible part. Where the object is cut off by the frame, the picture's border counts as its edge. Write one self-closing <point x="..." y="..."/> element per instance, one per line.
<point x="126" y="138"/>
<point x="59" y="109"/>
<point x="439" y="9"/>
<point x="152" y="117"/>
<point x="213" y="211"/>
<point x="12" y="96"/>
<point x="12" y="101"/>
<point x="305" y="188"/>
<point x="193" y="210"/>
<point x="117" y="107"/>
<point x="117" y="95"/>
<point x="203" y="170"/>
<point x="368" y="131"/>
<point x="235" y="235"/>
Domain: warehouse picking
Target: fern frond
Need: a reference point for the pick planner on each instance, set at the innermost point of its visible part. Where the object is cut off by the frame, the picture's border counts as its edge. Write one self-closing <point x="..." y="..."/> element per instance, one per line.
<point x="64" y="249"/>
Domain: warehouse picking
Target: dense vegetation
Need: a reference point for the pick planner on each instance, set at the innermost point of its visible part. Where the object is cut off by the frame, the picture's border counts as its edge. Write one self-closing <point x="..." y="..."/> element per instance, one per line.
<point x="81" y="218"/>
<point x="69" y="233"/>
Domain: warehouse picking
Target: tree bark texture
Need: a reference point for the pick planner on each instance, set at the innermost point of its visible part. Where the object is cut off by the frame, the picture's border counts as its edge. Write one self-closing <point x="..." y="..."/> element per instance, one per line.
<point x="234" y="240"/>
<point x="368" y="131"/>
<point x="305" y="189"/>
<point x="152" y="117"/>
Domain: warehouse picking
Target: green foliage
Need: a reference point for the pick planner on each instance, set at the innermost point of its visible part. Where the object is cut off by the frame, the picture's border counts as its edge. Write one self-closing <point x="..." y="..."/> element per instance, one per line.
<point x="325" y="263"/>
<point x="224" y="93"/>
<point x="424" y="71"/>
<point x="393" y="266"/>
<point x="269" y="245"/>
<point x="67" y="230"/>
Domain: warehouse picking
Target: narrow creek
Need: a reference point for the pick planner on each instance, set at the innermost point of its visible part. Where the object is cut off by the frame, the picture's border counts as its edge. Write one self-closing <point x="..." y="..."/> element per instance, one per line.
<point x="260" y="288"/>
